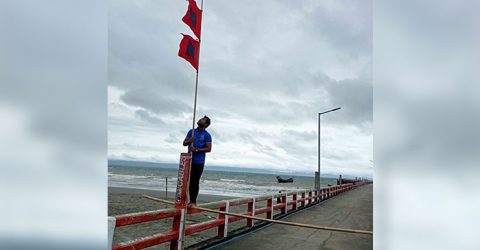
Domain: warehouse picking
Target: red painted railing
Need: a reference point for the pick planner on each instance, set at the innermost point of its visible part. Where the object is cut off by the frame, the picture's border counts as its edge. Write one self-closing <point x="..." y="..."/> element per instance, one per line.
<point x="289" y="202"/>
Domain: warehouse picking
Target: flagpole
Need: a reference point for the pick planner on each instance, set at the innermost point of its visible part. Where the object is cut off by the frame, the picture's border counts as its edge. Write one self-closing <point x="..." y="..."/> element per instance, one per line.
<point x="193" y="129"/>
<point x="196" y="77"/>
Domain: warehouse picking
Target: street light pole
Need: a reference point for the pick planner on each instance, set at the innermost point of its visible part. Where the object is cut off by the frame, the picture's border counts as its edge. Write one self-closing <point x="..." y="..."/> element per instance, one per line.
<point x="317" y="174"/>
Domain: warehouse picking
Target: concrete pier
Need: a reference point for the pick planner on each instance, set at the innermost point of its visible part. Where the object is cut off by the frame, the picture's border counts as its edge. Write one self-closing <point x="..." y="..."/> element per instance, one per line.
<point x="353" y="209"/>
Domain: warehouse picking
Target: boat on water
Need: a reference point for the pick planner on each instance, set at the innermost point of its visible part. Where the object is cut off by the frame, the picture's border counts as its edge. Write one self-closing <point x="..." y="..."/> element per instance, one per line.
<point x="281" y="180"/>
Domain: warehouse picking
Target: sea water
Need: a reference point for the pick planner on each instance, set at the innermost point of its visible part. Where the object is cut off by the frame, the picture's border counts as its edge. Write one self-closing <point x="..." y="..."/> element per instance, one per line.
<point x="213" y="182"/>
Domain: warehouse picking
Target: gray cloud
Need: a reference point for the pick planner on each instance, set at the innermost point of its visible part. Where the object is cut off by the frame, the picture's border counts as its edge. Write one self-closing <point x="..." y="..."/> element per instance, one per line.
<point x="144" y="115"/>
<point x="173" y="138"/>
<point x="303" y="136"/>
<point x="155" y="102"/>
<point x="356" y="99"/>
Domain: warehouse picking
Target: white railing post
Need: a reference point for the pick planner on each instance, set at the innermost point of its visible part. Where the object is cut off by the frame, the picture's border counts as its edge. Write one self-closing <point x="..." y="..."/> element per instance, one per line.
<point x="180" y="231"/>
<point x="273" y="196"/>
<point x="111" y="230"/>
<point x="296" y="201"/>
<point x="225" y="228"/>
<point x="253" y="205"/>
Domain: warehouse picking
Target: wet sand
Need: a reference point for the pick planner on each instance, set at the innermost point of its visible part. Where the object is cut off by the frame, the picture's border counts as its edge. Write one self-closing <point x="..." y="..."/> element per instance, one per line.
<point x="128" y="200"/>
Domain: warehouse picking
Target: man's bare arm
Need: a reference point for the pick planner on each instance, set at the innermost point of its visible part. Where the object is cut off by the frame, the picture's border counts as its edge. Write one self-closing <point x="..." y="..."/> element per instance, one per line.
<point x="208" y="149"/>
<point x="187" y="141"/>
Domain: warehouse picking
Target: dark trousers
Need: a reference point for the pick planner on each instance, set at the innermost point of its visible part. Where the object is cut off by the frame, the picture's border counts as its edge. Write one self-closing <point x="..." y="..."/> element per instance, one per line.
<point x="195" y="173"/>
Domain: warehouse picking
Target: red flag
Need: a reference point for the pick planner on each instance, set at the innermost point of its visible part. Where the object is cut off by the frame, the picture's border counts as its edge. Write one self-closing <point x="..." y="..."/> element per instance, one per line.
<point x="193" y="18"/>
<point x="189" y="50"/>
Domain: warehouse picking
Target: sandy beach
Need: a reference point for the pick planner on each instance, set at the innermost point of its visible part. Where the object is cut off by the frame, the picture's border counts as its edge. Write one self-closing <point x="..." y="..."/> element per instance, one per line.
<point x="128" y="200"/>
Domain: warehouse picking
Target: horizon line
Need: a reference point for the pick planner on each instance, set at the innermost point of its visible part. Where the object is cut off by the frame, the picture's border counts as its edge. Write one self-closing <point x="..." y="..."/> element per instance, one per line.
<point x="304" y="172"/>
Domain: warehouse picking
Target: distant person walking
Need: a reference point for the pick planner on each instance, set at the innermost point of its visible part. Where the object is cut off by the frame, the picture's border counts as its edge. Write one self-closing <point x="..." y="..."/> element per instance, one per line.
<point x="199" y="145"/>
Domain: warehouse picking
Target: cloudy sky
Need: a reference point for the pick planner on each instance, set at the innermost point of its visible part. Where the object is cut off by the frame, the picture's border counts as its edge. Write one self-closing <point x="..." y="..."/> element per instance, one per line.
<point x="266" y="69"/>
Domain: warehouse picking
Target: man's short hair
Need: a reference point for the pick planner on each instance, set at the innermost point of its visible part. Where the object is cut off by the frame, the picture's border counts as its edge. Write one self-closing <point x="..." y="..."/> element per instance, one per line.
<point x="208" y="120"/>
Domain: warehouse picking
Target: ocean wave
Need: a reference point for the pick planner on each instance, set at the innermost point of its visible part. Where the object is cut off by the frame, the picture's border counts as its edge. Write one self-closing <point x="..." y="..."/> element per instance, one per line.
<point x="128" y="176"/>
<point x="125" y="176"/>
<point x="224" y="188"/>
<point x="232" y="180"/>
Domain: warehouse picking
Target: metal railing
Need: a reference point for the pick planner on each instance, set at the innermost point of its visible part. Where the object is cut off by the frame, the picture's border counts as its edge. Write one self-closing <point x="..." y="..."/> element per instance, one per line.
<point x="286" y="202"/>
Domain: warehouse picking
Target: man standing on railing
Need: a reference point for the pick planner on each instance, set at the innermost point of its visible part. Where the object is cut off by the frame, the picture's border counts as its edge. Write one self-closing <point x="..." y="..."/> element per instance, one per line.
<point x="202" y="144"/>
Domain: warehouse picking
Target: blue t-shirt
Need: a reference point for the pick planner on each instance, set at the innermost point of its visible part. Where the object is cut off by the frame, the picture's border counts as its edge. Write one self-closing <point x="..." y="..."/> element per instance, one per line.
<point x="201" y="139"/>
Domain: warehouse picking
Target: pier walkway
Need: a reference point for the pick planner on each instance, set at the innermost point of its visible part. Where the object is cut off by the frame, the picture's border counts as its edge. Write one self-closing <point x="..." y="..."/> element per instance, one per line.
<point x="353" y="209"/>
